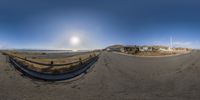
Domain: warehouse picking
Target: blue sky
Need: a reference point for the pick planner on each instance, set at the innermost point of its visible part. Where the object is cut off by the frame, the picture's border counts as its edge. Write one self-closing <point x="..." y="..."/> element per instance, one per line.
<point x="49" y="24"/>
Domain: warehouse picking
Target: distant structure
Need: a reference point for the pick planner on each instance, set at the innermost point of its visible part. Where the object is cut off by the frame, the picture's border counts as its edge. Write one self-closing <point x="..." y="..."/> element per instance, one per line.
<point x="145" y="48"/>
<point x="171" y="43"/>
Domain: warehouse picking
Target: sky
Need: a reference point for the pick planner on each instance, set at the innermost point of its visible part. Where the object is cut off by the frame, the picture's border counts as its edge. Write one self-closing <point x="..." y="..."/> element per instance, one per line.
<point x="51" y="24"/>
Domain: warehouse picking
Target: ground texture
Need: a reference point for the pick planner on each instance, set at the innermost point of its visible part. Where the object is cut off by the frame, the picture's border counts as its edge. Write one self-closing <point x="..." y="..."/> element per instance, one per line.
<point x="113" y="77"/>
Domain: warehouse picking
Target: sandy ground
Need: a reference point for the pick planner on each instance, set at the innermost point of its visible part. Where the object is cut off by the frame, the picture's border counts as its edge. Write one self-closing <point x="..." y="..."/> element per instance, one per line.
<point x="113" y="77"/>
<point x="57" y="58"/>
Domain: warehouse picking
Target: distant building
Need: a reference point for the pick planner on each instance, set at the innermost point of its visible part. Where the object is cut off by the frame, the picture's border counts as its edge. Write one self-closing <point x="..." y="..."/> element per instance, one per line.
<point x="161" y="48"/>
<point x="165" y="49"/>
<point x="181" y="49"/>
<point x="130" y="49"/>
<point x="107" y="49"/>
<point x="145" y="48"/>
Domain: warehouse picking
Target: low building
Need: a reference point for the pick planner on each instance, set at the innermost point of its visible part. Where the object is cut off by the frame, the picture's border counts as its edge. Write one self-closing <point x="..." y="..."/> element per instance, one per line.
<point x="181" y="49"/>
<point x="145" y="48"/>
<point x="165" y="49"/>
<point x="130" y="49"/>
<point x="161" y="48"/>
<point x="107" y="49"/>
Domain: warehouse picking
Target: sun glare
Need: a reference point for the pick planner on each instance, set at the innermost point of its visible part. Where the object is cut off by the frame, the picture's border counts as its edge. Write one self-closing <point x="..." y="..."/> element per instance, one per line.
<point x="74" y="41"/>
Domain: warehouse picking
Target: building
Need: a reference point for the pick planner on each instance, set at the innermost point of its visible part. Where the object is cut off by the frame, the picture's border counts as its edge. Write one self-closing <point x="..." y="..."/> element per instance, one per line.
<point x="145" y="48"/>
<point x="161" y="48"/>
<point x="165" y="49"/>
<point x="130" y="49"/>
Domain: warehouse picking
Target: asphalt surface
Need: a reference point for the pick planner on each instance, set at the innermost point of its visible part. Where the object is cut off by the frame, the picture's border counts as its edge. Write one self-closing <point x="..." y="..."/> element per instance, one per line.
<point x="113" y="77"/>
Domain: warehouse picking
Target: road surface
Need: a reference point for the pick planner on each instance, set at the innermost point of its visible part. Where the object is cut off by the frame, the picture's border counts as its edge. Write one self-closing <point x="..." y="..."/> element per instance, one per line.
<point x="113" y="77"/>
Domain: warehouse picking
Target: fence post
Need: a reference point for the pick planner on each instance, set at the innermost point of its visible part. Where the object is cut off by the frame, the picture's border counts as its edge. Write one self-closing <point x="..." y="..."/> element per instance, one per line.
<point x="80" y="61"/>
<point x="90" y="56"/>
<point x="51" y="63"/>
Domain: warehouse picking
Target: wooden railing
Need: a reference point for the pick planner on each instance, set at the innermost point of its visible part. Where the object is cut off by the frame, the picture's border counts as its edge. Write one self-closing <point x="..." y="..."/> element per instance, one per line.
<point x="54" y="76"/>
<point x="52" y="63"/>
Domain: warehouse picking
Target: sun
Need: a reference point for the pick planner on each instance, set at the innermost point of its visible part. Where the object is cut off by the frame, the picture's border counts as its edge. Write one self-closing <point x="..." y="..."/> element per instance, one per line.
<point x="74" y="40"/>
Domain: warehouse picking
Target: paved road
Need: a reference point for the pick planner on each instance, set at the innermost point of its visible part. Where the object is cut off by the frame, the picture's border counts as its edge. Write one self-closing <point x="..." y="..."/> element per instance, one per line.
<point x="113" y="77"/>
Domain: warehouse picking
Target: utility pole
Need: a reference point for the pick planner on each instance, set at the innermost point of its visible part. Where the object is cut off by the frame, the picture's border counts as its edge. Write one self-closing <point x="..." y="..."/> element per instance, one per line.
<point x="171" y="43"/>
